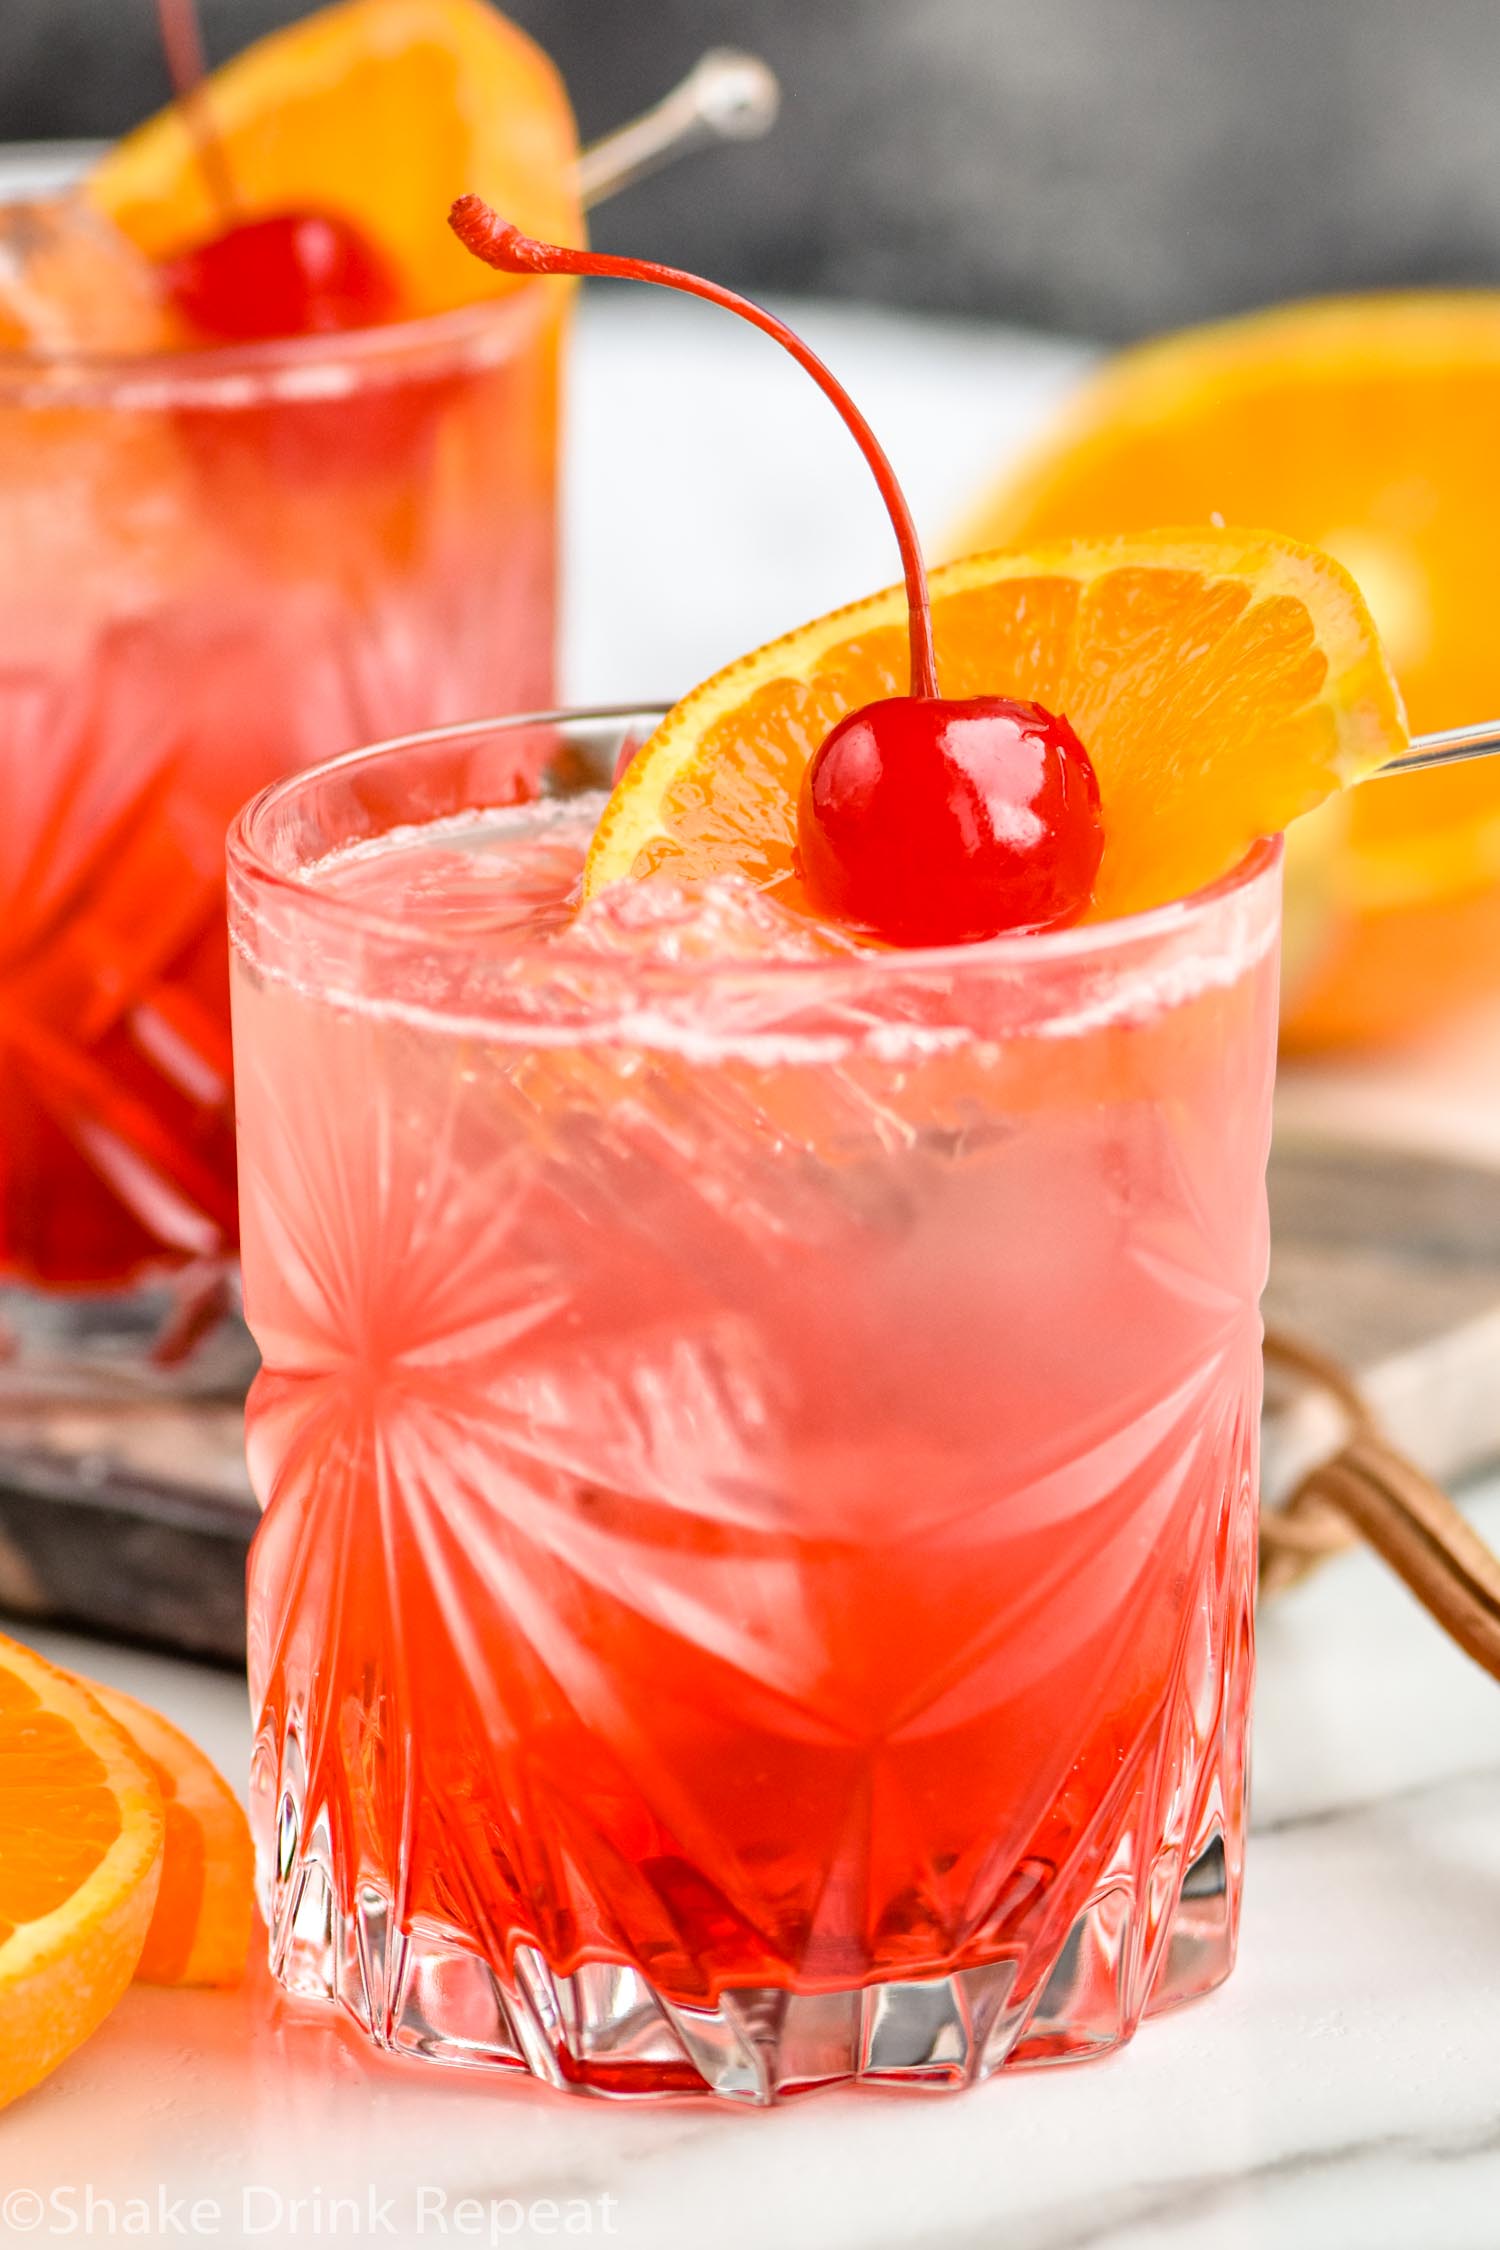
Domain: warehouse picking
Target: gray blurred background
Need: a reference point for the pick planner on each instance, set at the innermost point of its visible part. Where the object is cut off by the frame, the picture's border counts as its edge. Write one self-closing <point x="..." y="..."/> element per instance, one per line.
<point x="1101" y="167"/>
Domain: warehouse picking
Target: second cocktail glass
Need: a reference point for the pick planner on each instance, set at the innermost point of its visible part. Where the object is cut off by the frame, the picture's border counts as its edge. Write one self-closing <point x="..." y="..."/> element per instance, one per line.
<point x="758" y="1442"/>
<point x="219" y="566"/>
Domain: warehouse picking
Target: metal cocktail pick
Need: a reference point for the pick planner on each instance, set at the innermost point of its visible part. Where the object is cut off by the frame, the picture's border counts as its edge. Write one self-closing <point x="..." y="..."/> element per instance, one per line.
<point x="1454" y="746"/>
<point x="727" y="96"/>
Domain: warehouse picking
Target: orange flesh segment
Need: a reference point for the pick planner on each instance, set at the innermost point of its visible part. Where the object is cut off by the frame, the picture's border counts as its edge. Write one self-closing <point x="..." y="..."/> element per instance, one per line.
<point x="379" y="112"/>
<point x="58" y="1814"/>
<point x="81" y="1832"/>
<point x="1222" y="683"/>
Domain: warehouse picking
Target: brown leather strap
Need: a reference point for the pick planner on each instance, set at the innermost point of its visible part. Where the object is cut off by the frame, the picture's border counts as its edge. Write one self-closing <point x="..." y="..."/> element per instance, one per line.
<point x="1370" y="1491"/>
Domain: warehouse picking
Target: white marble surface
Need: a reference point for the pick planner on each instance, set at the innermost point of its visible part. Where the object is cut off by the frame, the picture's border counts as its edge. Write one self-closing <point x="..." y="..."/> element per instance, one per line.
<point x="1343" y="2091"/>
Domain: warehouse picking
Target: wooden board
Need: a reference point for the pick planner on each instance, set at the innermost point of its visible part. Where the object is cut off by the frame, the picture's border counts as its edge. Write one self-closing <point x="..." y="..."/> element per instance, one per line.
<point x="134" y="1519"/>
<point x="1390" y="1261"/>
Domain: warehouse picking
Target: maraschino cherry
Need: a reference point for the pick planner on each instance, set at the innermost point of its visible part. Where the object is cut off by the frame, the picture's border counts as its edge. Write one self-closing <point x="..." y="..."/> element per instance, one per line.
<point x="287" y="273"/>
<point x="930" y="822"/>
<point x="921" y="820"/>
<point x="295" y="273"/>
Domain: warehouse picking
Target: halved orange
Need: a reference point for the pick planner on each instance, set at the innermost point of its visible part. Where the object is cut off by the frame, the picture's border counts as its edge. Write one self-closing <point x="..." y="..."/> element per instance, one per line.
<point x="81" y="1833"/>
<point x="1222" y="683"/>
<point x="377" y="111"/>
<point x="1366" y="425"/>
<point x="200" y="1931"/>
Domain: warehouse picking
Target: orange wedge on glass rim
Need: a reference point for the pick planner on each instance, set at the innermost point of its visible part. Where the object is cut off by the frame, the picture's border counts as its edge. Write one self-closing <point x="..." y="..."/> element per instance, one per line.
<point x="1223" y="684"/>
<point x="81" y="1839"/>
<point x="377" y="111"/>
<point x="1365" y="425"/>
<point x="200" y="1930"/>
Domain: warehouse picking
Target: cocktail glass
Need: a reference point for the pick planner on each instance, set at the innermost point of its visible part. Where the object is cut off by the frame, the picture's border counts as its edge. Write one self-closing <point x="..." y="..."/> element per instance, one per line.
<point x="215" y="567"/>
<point x="758" y="1453"/>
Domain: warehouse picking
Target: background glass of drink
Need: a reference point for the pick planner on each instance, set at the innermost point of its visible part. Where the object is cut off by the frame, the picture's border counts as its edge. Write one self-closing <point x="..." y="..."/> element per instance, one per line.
<point x="217" y="566"/>
<point x="758" y="1445"/>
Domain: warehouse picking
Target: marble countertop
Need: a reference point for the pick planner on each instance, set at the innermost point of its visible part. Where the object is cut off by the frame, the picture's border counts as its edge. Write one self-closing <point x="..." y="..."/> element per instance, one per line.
<point x="1342" y="2091"/>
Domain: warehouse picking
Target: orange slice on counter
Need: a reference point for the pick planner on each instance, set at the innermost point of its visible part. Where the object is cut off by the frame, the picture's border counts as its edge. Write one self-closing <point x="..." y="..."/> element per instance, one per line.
<point x="200" y="1931"/>
<point x="81" y="1837"/>
<point x="1223" y="684"/>
<point x="375" y="111"/>
<point x="1366" y="425"/>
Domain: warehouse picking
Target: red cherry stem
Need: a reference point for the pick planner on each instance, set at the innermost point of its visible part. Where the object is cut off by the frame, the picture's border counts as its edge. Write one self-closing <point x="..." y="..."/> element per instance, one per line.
<point x="182" y="44"/>
<point x="503" y="246"/>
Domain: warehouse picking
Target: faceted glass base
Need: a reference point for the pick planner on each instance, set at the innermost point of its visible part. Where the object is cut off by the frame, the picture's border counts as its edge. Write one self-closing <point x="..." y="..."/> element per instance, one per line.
<point x="1138" y="1913"/>
<point x="606" y="2031"/>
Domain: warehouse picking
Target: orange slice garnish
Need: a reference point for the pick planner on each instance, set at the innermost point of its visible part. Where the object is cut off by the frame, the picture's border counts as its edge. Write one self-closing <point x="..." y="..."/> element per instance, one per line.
<point x="1222" y="683"/>
<point x="375" y="111"/>
<point x="81" y="1834"/>
<point x="200" y="1931"/>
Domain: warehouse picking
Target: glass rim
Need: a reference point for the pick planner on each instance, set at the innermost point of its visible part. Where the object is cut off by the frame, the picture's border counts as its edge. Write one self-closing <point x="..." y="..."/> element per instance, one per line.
<point x="248" y="858"/>
<point x="288" y="367"/>
<point x="280" y="366"/>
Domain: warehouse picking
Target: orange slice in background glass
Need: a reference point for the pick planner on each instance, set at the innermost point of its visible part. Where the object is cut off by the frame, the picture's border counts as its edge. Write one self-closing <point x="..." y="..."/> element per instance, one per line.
<point x="1366" y="426"/>
<point x="200" y="1930"/>
<point x="1222" y="683"/>
<point x="81" y="1839"/>
<point x="378" y="111"/>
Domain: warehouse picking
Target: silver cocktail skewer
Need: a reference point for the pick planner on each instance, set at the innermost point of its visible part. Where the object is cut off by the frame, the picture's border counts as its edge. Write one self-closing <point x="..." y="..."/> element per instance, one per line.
<point x="1454" y="746"/>
<point x="728" y="96"/>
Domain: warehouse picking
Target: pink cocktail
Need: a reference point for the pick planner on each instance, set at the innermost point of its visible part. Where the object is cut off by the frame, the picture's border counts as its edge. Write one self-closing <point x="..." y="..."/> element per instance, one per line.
<point x="758" y="1443"/>
<point x="217" y="566"/>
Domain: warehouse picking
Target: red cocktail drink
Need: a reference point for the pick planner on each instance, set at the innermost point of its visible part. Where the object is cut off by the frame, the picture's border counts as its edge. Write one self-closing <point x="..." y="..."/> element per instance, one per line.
<point x="277" y="469"/>
<point x="758" y="1438"/>
<point x="217" y="566"/>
